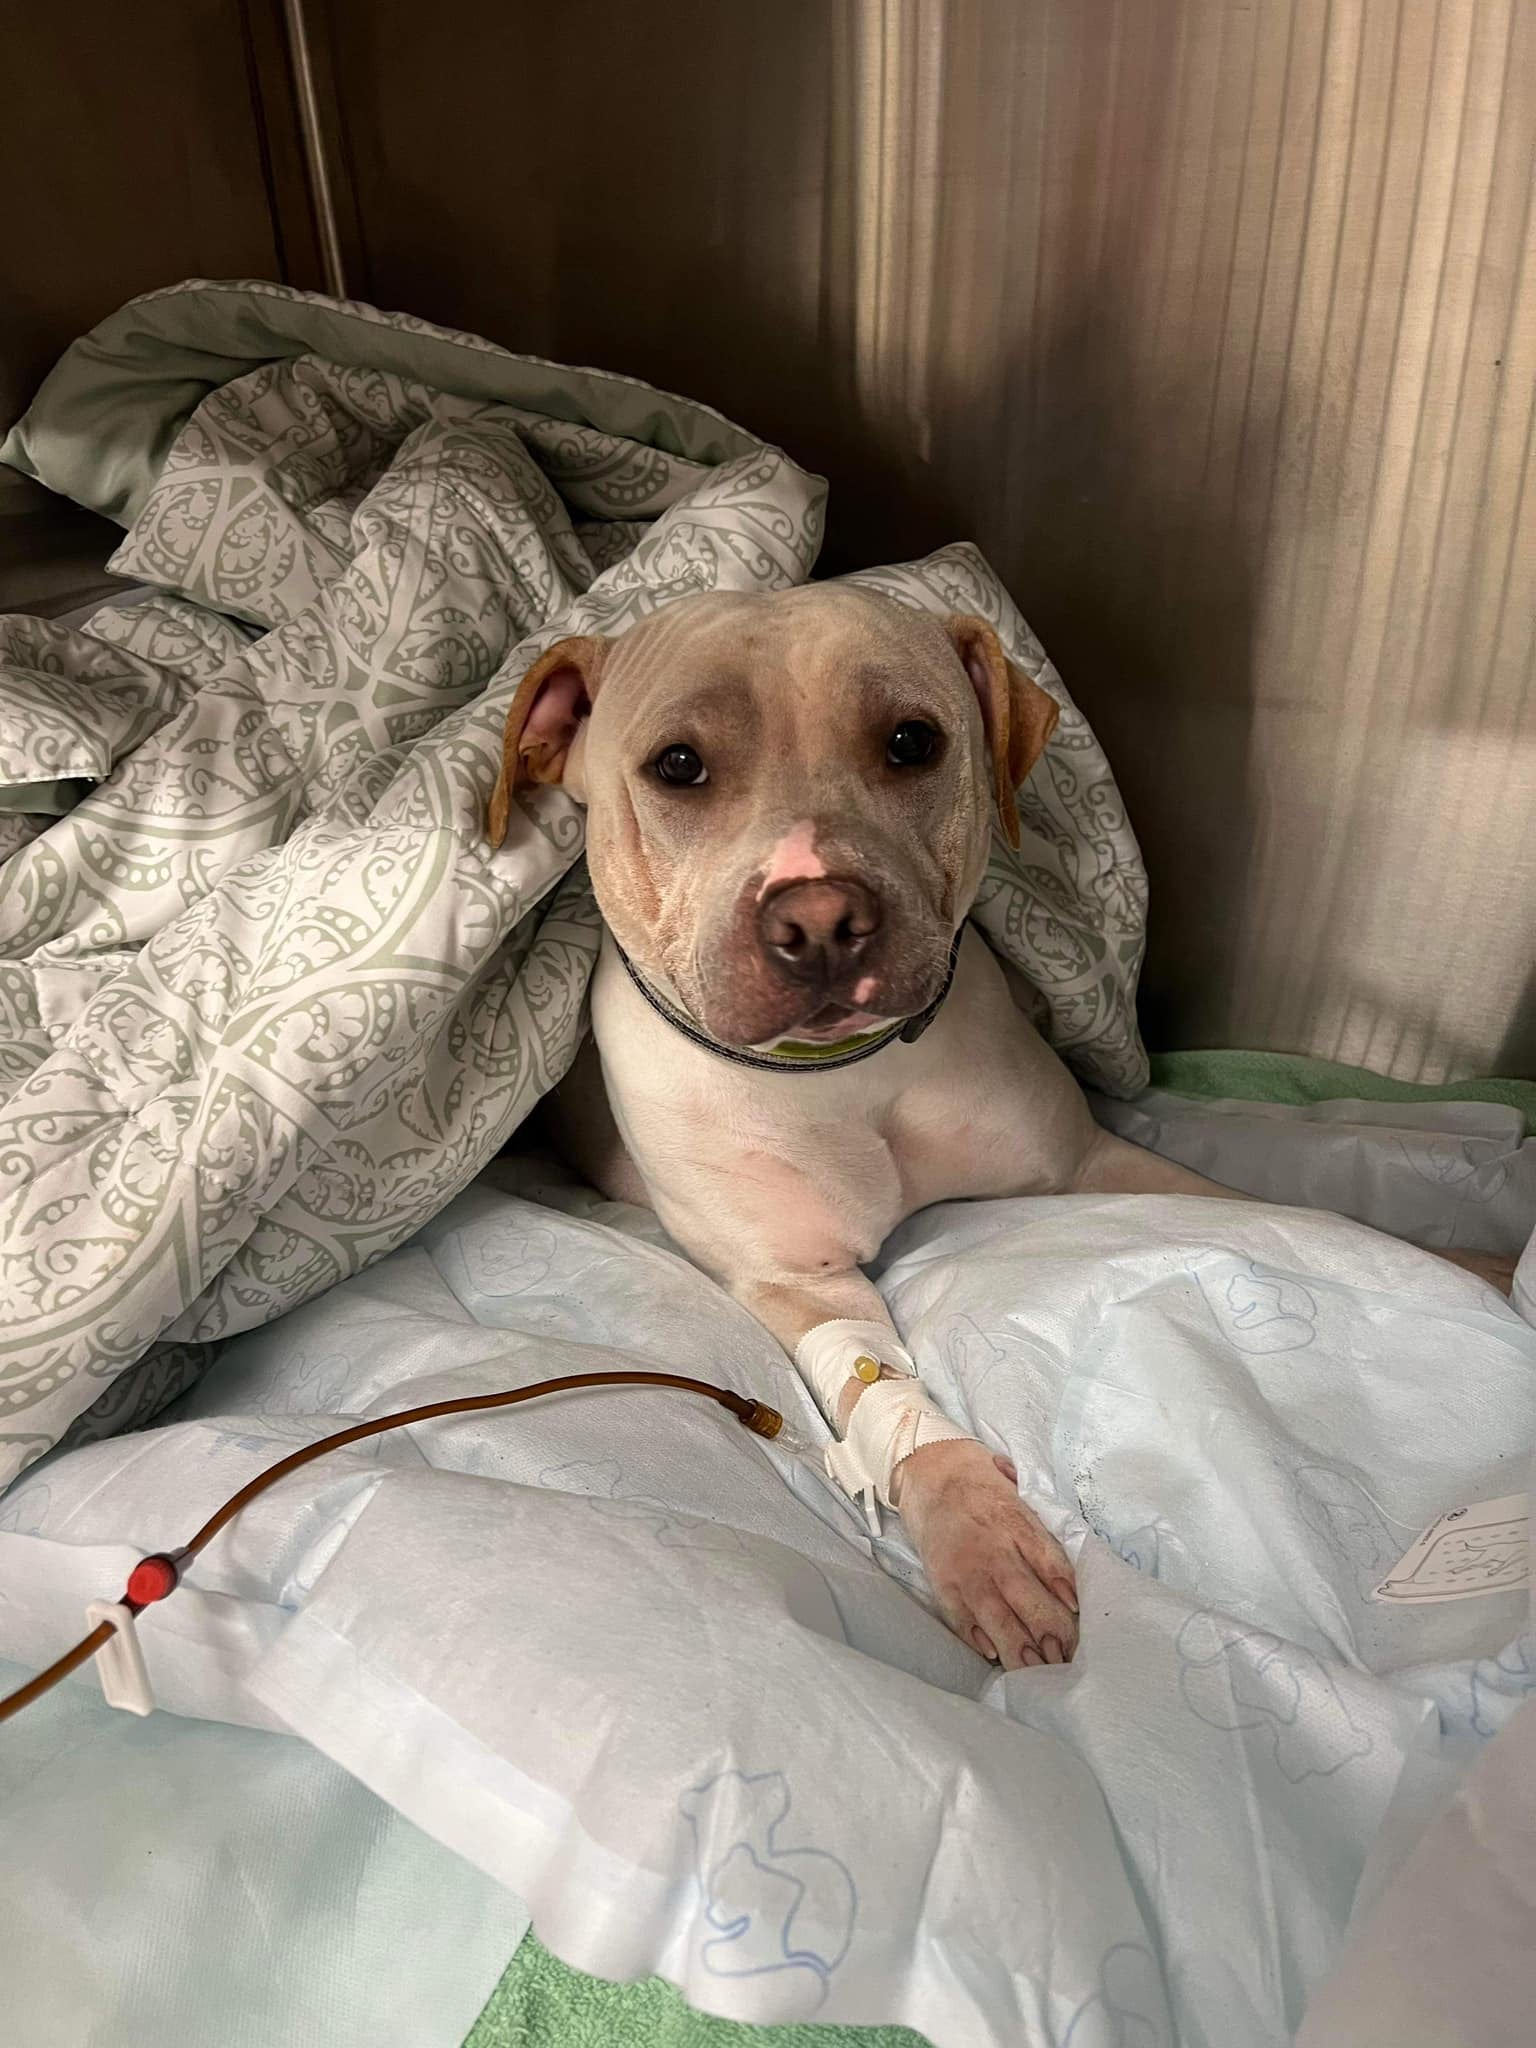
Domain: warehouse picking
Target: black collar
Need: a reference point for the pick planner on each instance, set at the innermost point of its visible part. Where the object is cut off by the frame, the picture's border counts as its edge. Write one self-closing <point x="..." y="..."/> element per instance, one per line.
<point x="810" y="1059"/>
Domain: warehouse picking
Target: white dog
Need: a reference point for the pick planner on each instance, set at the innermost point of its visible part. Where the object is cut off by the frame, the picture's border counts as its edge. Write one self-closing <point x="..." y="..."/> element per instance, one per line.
<point x="801" y="1039"/>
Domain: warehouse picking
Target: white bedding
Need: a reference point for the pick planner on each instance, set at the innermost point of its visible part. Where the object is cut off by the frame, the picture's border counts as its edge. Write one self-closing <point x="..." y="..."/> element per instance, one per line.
<point x="649" y="1673"/>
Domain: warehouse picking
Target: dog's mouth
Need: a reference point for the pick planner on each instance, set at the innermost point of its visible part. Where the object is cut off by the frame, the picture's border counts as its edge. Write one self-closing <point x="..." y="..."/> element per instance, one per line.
<point x="741" y="997"/>
<point x="831" y="1023"/>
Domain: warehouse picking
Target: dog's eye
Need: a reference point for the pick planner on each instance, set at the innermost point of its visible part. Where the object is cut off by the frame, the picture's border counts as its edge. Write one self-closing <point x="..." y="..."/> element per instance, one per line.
<point x="680" y="766"/>
<point x="913" y="742"/>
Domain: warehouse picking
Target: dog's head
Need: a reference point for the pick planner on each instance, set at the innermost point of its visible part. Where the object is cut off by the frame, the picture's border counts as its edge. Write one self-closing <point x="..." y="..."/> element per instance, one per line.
<point x="787" y="795"/>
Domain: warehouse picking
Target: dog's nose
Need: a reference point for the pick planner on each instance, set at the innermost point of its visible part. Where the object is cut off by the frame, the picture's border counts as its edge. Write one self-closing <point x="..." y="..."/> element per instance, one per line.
<point x="812" y="930"/>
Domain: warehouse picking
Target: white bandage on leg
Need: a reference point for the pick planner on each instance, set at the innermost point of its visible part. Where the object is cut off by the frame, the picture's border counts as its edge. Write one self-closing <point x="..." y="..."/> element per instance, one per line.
<point x="834" y="1353"/>
<point x="890" y="1421"/>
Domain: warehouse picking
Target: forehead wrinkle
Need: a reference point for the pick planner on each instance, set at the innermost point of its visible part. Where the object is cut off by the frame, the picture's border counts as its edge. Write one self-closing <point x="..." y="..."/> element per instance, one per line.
<point x="666" y="634"/>
<point x="648" y="666"/>
<point x="807" y="663"/>
<point x="724" y="697"/>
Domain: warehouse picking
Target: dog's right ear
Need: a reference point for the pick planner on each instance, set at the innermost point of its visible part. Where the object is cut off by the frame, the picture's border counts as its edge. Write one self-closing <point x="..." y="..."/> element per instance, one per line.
<point x="551" y="704"/>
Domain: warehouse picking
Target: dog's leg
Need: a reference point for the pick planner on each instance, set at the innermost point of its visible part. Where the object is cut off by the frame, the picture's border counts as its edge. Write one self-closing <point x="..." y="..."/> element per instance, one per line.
<point x="578" y="1122"/>
<point x="1002" y="1581"/>
<point x="1114" y="1166"/>
<point x="1493" y="1267"/>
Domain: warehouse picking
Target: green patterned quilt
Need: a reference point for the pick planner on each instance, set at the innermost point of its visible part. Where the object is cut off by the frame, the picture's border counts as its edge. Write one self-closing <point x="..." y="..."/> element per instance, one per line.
<point x="267" y="1000"/>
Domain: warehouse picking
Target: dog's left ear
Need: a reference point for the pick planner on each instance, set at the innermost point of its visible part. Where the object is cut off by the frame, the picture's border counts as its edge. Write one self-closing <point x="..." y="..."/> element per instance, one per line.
<point x="552" y="704"/>
<point x="1018" y="715"/>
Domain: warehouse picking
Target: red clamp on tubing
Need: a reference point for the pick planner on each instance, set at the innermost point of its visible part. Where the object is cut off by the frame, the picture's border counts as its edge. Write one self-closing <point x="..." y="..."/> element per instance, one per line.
<point x="151" y="1579"/>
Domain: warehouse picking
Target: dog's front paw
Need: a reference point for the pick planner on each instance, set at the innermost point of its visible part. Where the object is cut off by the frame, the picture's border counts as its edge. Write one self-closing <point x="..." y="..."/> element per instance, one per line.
<point x="1003" y="1583"/>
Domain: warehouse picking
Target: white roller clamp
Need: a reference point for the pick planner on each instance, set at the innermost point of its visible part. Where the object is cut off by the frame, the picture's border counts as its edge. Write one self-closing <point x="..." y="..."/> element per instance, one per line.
<point x="120" y="1660"/>
<point x="890" y="1420"/>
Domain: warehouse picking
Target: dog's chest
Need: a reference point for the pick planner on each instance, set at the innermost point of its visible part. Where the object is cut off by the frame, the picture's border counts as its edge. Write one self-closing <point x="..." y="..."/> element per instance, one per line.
<point x="793" y="1167"/>
<point x="798" y="1162"/>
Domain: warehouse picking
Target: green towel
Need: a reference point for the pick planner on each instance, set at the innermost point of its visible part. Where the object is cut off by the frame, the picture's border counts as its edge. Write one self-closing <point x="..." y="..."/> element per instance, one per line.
<point x="1290" y="1077"/>
<point x="543" y="2003"/>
